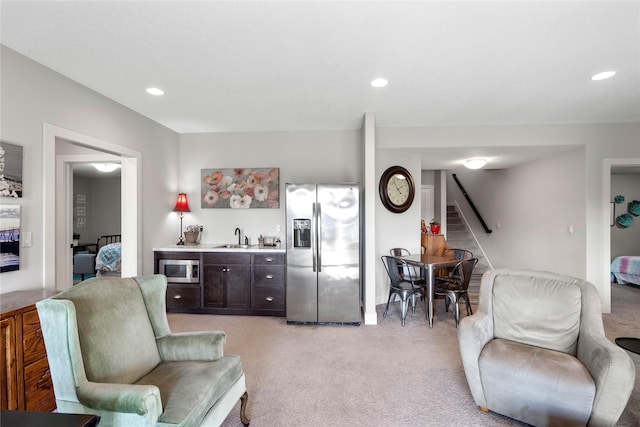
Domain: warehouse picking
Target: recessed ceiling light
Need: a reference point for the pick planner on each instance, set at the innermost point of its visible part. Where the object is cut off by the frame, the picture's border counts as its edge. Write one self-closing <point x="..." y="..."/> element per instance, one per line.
<point x="379" y="82"/>
<point x="105" y="167"/>
<point x="155" y="91"/>
<point x="603" y="75"/>
<point x="475" y="163"/>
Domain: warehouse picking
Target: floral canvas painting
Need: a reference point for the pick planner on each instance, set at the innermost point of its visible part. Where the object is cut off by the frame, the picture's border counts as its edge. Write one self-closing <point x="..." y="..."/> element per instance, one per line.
<point x="240" y="188"/>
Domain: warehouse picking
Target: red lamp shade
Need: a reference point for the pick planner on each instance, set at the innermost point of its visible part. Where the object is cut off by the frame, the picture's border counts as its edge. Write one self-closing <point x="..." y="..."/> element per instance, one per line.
<point x="182" y="205"/>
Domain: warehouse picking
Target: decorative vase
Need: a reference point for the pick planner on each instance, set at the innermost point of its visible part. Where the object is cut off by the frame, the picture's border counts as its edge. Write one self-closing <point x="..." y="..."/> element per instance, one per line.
<point x="435" y="228"/>
<point x="191" y="236"/>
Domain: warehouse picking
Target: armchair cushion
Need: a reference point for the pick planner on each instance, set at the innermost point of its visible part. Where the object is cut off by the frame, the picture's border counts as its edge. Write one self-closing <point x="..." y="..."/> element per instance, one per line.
<point x="550" y="376"/>
<point x="550" y="318"/>
<point x="183" y="383"/>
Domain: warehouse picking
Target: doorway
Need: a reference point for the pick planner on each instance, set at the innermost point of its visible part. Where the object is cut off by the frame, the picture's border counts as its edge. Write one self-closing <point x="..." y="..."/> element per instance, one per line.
<point x="609" y="164"/>
<point x="57" y="201"/>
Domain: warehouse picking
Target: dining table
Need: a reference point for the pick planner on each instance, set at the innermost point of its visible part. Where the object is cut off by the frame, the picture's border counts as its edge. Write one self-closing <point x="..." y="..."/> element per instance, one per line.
<point x="428" y="265"/>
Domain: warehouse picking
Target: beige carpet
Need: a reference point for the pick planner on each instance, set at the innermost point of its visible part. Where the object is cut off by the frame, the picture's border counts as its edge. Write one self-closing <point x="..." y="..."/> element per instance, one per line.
<point x="383" y="375"/>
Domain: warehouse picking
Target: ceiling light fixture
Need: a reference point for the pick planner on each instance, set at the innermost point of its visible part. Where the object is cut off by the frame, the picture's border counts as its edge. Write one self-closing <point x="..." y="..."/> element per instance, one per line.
<point x="475" y="163"/>
<point x="155" y="91"/>
<point x="603" y="75"/>
<point x="105" y="167"/>
<point x="380" y="82"/>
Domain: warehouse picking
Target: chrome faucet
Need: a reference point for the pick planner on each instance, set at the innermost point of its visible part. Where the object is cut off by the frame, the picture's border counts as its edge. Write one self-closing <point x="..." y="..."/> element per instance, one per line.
<point x="239" y="233"/>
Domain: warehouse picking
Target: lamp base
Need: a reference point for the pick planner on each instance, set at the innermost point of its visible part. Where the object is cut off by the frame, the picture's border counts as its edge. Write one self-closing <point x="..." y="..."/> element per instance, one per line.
<point x="181" y="241"/>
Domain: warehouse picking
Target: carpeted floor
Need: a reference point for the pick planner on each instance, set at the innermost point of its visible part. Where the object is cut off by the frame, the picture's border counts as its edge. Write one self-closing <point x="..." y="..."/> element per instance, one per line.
<point x="382" y="375"/>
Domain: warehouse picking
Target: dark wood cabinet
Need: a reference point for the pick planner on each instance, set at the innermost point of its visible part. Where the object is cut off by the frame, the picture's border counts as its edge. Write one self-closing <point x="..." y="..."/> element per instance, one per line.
<point x="25" y="383"/>
<point x="269" y="275"/>
<point x="227" y="280"/>
<point x="231" y="282"/>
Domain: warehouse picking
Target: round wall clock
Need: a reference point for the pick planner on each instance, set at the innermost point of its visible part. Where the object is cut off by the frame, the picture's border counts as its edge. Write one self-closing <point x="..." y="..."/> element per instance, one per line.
<point x="396" y="189"/>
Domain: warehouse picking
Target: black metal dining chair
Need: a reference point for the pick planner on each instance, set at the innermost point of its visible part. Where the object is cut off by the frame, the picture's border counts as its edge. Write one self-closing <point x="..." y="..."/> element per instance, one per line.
<point x="454" y="287"/>
<point x="458" y="253"/>
<point x="404" y="286"/>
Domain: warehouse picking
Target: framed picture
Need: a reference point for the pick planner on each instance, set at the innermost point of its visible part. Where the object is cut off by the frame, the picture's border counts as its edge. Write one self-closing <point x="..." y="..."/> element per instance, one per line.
<point x="10" y="170"/>
<point x="9" y="238"/>
<point x="240" y="188"/>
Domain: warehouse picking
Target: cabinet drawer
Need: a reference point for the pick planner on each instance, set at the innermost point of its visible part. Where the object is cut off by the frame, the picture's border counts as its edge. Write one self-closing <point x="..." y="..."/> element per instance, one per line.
<point x="226" y="258"/>
<point x="183" y="296"/>
<point x="33" y="346"/>
<point x="268" y="259"/>
<point x="269" y="297"/>
<point x="30" y="321"/>
<point x="268" y="275"/>
<point x="38" y="388"/>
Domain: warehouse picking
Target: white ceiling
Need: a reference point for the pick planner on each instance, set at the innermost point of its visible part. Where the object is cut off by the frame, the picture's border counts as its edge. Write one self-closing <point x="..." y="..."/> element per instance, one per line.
<point x="288" y="66"/>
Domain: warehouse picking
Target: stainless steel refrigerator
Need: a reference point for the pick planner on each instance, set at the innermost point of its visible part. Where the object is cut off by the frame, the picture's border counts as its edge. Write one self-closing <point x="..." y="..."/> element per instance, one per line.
<point x="323" y="253"/>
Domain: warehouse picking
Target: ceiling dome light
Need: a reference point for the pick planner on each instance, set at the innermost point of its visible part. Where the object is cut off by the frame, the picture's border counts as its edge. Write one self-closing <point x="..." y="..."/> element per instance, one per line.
<point x="603" y="75"/>
<point x="475" y="163"/>
<point x="105" y="167"/>
<point x="379" y="82"/>
<point x="155" y="91"/>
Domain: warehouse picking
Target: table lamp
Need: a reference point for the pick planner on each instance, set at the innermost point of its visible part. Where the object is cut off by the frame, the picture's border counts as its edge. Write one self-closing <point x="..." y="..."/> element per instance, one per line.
<point x="182" y="205"/>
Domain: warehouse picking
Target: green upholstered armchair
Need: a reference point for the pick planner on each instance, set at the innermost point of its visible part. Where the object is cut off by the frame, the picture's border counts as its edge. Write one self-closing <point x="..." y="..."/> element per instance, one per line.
<point x="111" y="353"/>
<point x="535" y="350"/>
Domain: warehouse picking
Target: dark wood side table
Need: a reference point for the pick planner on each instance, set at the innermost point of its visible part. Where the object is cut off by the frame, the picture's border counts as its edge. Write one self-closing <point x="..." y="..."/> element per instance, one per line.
<point x="629" y="344"/>
<point x="49" y="419"/>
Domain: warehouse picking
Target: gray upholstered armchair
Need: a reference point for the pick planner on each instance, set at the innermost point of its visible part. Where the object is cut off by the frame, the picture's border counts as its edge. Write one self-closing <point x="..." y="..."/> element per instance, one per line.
<point x="111" y="353"/>
<point x="535" y="350"/>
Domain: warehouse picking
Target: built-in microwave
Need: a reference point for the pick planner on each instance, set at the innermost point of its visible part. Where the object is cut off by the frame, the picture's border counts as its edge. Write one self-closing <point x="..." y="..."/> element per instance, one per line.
<point x="180" y="270"/>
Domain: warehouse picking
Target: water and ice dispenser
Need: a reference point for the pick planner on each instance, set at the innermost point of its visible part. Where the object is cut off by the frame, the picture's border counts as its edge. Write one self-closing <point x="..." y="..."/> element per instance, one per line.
<point x="301" y="233"/>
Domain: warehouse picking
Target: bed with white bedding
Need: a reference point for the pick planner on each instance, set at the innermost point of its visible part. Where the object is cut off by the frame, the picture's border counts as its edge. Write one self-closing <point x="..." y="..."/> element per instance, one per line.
<point x="625" y="270"/>
<point x="109" y="257"/>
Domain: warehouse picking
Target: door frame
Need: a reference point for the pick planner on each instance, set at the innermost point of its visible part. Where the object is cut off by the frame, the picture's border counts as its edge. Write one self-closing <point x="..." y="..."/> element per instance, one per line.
<point x="57" y="180"/>
<point x="606" y="225"/>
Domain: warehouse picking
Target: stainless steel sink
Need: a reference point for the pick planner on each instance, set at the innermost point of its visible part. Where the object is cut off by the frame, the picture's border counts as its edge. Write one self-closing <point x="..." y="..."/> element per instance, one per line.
<point x="233" y="246"/>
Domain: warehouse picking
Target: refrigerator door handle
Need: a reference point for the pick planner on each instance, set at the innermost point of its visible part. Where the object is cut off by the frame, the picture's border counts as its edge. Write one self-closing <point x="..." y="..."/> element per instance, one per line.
<point x="314" y="237"/>
<point x="318" y="233"/>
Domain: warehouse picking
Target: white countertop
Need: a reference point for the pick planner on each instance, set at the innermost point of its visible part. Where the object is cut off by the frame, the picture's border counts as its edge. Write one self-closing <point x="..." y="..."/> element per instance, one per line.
<point x="215" y="247"/>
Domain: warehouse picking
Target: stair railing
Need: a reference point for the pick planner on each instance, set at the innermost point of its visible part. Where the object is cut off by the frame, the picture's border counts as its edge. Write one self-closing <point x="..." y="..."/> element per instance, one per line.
<point x="475" y="210"/>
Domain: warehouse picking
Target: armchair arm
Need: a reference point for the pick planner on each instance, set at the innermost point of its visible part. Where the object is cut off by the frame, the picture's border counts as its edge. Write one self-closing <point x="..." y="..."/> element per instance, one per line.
<point x="474" y="332"/>
<point x="204" y="346"/>
<point x="125" y="398"/>
<point x="613" y="372"/>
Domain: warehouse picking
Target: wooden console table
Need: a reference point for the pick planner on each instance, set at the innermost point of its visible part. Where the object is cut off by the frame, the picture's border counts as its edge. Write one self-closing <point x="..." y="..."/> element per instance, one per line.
<point x="25" y="383"/>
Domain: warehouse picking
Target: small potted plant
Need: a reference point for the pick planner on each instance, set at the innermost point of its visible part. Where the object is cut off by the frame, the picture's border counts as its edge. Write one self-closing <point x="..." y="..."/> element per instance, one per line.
<point x="192" y="232"/>
<point x="434" y="225"/>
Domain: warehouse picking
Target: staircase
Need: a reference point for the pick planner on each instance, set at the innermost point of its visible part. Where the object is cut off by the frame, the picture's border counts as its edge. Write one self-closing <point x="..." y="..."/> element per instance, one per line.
<point x="459" y="236"/>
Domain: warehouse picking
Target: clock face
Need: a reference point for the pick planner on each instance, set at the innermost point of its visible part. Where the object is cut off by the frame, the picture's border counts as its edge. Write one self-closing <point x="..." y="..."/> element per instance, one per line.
<point x="396" y="189"/>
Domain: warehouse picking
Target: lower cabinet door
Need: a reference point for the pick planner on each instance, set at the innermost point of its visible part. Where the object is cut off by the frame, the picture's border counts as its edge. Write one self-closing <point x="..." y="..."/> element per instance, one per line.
<point x="238" y="286"/>
<point x="38" y="388"/>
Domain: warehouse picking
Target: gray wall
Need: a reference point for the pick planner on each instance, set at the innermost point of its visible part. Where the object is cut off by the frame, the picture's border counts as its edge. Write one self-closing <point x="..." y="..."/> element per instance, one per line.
<point x="322" y="157"/>
<point x="33" y="95"/>
<point x="530" y="209"/>
<point x="103" y="202"/>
